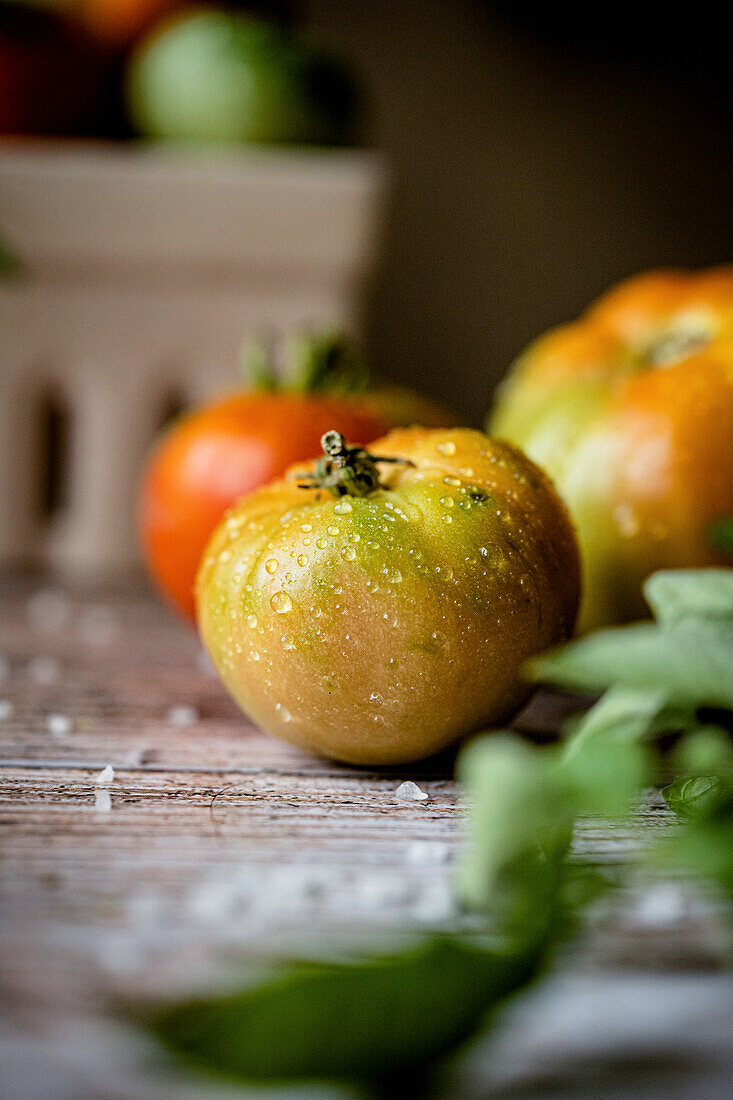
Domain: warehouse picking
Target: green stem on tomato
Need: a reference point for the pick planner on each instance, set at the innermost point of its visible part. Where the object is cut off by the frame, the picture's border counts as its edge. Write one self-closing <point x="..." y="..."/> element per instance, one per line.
<point x="317" y="362"/>
<point x="346" y="471"/>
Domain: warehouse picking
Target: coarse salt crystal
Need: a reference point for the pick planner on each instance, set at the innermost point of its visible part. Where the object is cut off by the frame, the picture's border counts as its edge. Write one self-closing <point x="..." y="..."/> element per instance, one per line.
<point x="427" y="852"/>
<point x="102" y="799"/>
<point x="662" y="906"/>
<point x="181" y="716"/>
<point x="410" y="792"/>
<point x="58" y="724"/>
<point x="106" y="775"/>
<point x="43" y="670"/>
<point x="7" y="710"/>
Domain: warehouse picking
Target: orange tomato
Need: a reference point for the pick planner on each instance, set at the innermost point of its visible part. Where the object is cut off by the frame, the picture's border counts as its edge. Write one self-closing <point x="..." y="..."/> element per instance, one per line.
<point x="119" y="21"/>
<point x="212" y="456"/>
<point x="630" y="410"/>
<point x="376" y="611"/>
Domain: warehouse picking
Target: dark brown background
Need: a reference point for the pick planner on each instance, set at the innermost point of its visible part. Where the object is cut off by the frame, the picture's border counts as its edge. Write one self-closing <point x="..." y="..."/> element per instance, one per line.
<point x="541" y="152"/>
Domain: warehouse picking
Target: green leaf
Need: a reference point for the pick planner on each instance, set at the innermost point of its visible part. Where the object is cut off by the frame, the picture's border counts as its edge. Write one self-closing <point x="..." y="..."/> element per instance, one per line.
<point x="521" y="825"/>
<point x="675" y="594"/>
<point x="704" y="750"/>
<point x="354" y="1021"/>
<point x="325" y="362"/>
<point x="690" y="662"/>
<point x="626" y="714"/>
<point x="704" y="846"/>
<point x="720" y="534"/>
<point x="313" y="362"/>
<point x="257" y="367"/>
<point x="603" y="762"/>
<point x="688" y="795"/>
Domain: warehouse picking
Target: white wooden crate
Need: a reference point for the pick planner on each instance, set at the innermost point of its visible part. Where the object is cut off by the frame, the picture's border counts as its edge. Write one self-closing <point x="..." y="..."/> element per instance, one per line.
<point x="143" y="270"/>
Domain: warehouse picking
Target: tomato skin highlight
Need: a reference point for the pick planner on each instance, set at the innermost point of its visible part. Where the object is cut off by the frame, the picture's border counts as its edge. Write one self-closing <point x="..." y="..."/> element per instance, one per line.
<point x="630" y="411"/>
<point x="380" y="629"/>
<point x="209" y="458"/>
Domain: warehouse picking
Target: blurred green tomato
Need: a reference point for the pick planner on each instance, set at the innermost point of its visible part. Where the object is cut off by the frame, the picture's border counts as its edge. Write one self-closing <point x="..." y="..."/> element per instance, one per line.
<point x="207" y="75"/>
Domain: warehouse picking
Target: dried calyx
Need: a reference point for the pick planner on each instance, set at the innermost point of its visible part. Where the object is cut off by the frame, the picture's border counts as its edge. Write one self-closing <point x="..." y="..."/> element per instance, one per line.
<point x="345" y="470"/>
<point x="678" y="342"/>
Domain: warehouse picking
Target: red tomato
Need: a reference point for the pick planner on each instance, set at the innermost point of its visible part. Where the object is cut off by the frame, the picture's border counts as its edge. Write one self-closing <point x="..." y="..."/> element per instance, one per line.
<point x="211" y="457"/>
<point x="52" y="74"/>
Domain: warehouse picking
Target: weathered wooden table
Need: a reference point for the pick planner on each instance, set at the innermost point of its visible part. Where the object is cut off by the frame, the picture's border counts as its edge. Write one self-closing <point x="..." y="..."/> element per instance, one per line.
<point x="222" y="847"/>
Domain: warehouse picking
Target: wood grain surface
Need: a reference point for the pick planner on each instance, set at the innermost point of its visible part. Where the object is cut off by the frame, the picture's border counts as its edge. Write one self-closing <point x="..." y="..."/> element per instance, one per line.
<point x="224" y="848"/>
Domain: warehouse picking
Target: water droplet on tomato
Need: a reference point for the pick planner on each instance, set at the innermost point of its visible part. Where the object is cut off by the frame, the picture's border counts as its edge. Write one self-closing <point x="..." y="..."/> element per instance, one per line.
<point x="342" y="507"/>
<point x="272" y="565"/>
<point x="251" y="621"/>
<point x="302" y="559"/>
<point x="447" y="447"/>
<point x="627" y="520"/>
<point x="348" y="553"/>
<point x="281" y="602"/>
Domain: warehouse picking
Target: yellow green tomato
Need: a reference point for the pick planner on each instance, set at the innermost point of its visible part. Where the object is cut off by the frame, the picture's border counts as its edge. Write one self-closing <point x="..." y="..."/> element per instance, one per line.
<point x="212" y="75"/>
<point x="630" y="410"/>
<point x="376" y="606"/>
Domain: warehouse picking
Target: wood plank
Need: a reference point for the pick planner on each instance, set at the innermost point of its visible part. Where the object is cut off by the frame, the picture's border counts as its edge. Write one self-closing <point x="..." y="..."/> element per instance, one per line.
<point x="224" y="847"/>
